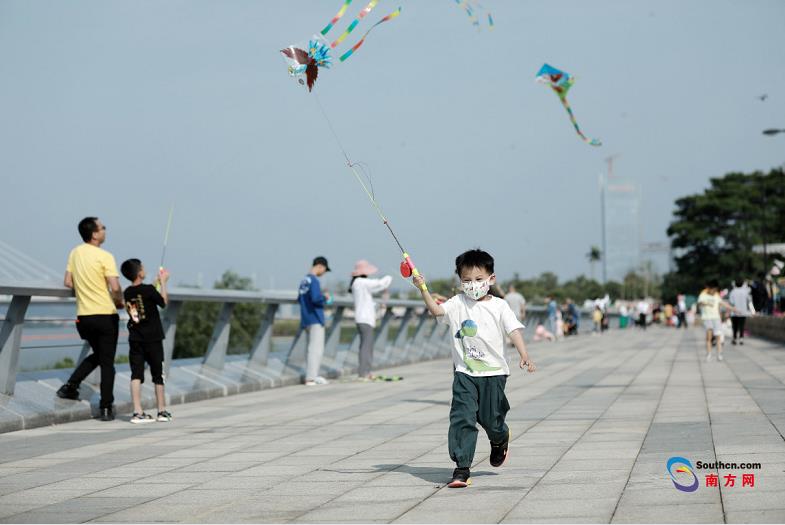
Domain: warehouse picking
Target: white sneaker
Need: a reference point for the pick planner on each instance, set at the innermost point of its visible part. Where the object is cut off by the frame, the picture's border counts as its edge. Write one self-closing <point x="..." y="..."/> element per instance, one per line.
<point x="708" y="357"/>
<point x="318" y="380"/>
<point x="719" y="357"/>
<point x="142" y="418"/>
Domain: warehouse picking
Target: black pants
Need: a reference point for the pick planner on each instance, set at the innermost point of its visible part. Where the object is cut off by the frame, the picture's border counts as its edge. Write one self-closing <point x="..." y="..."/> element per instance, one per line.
<point x="738" y="326"/>
<point x="101" y="332"/>
<point x="642" y="321"/>
<point x="150" y="352"/>
<point x="682" y="320"/>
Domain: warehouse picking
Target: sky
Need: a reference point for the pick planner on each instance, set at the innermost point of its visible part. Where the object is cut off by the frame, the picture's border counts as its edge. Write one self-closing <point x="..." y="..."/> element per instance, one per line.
<point x="122" y="109"/>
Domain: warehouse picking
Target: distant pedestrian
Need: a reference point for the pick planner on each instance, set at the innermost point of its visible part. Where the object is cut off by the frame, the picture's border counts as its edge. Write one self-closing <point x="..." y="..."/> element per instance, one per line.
<point x="517" y="302"/>
<point x="362" y="289"/>
<point x="596" y="318"/>
<point x="312" y="302"/>
<point x="643" y="309"/>
<point x="681" y="310"/>
<point x="741" y="299"/>
<point x="145" y="336"/>
<point x="551" y="307"/>
<point x="478" y="324"/>
<point x="92" y="273"/>
<point x="574" y="315"/>
<point x="623" y="315"/>
<point x="709" y="302"/>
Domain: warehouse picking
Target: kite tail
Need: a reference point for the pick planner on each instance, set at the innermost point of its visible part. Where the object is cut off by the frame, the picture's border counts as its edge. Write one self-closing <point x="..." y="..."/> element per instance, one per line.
<point x="587" y="140"/>
<point x="336" y="17"/>
<point x="358" y="44"/>
<point x="367" y="9"/>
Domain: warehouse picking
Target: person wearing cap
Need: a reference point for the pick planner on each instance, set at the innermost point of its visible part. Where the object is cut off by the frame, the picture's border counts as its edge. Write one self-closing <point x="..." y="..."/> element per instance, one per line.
<point x="312" y="302"/>
<point x="362" y="289"/>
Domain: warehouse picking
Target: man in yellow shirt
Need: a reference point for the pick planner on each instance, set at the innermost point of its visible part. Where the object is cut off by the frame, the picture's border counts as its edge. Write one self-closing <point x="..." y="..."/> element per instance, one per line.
<point x="92" y="273"/>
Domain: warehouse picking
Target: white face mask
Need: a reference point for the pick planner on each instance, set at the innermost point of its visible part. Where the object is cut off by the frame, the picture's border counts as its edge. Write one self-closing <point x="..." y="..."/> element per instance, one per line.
<point x="476" y="289"/>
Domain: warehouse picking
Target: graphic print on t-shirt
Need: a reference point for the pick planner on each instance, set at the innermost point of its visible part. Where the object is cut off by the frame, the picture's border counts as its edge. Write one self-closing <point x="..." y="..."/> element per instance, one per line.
<point x="136" y="309"/>
<point x="473" y="357"/>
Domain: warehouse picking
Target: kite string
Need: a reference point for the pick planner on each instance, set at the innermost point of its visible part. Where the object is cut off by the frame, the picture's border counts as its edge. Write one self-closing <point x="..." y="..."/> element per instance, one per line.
<point x="352" y="166"/>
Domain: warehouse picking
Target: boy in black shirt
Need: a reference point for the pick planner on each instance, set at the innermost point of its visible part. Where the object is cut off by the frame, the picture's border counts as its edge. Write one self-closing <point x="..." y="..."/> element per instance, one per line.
<point x="145" y="336"/>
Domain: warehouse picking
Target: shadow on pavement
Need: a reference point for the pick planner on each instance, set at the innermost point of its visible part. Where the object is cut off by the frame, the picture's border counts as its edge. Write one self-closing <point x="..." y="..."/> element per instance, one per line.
<point x="438" y="475"/>
<point x="426" y="401"/>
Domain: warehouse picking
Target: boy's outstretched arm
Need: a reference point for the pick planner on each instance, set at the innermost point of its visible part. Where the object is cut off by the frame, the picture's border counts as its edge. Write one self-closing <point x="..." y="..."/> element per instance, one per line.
<point x="434" y="308"/>
<point x="520" y="346"/>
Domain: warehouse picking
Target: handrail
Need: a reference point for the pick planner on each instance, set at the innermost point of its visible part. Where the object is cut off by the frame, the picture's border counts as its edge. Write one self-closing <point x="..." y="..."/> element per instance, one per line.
<point x="260" y="355"/>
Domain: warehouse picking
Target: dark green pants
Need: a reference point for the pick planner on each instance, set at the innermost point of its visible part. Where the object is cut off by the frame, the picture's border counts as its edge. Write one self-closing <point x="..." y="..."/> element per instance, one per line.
<point x="476" y="400"/>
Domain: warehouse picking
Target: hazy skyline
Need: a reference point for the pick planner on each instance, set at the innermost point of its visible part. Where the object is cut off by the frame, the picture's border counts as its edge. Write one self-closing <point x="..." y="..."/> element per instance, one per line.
<point x="119" y="109"/>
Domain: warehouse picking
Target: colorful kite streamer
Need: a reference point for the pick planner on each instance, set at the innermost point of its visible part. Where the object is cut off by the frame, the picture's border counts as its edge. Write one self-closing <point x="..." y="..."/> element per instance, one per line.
<point x="356" y="46"/>
<point x="473" y="10"/>
<point x="336" y="17"/>
<point x="305" y="60"/>
<point x="561" y="82"/>
<point x="367" y="9"/>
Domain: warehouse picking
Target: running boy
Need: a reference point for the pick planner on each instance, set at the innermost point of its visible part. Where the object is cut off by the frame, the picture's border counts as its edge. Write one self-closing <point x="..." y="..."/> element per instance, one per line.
<point x="479" y="323"/>
<point x="145" y="336"/>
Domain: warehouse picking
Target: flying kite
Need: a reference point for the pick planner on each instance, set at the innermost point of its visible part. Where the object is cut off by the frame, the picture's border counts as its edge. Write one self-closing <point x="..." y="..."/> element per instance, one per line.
<point x="561" y="82"/>
<point x="474" y="9"/>
<point x="305" y="60"/>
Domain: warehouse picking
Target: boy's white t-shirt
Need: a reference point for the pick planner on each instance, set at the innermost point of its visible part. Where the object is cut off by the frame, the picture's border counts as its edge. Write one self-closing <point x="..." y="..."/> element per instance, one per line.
<point x="478" y="330"/>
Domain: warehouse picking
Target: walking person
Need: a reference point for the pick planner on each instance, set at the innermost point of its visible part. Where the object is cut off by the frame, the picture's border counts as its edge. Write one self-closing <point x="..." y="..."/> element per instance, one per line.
<point x="709" y="302"/>
<point x="517" y="302"/>
<point x="92" y="273"/>
<point x="741" y="299"/>
<point x="575" y="315"/>
<point x="642" y="309"/>
<point x="362" y="289"/>
<point x="312" y="302"/>
<point x="681" y="310"/>
<point x="551" y="311"/>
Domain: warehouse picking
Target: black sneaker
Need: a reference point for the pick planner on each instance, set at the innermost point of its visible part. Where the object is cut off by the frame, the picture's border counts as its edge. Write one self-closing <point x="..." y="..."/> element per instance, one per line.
<point x="68" y="391"/>
<point x="461" y="477"/>
<point x="107" y="414"/>
<point x="499" y="452"/>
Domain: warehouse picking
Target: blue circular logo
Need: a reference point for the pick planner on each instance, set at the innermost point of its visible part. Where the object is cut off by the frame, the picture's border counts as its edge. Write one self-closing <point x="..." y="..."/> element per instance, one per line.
<point x="683" y="466"/>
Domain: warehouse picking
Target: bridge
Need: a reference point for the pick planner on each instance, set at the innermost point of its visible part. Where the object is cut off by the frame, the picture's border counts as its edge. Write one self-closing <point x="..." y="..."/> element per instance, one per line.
<point x="593" y="430"/>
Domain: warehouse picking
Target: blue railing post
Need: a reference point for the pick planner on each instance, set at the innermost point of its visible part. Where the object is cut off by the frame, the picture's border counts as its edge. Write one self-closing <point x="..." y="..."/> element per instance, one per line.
<point x="170" y="330"/>
<point x="260" y="349"/>
<point x="10" y="339"/>
<point x="219" y="343"/>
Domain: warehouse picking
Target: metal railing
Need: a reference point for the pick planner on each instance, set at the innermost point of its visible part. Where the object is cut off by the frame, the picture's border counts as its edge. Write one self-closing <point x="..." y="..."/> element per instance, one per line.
<point x="417" y="335"/>
<point x="405" y="333"/>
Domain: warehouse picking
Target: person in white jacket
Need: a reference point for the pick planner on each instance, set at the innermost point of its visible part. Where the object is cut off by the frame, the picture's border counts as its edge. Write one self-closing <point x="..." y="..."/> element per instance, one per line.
<point x="362" y="288"/>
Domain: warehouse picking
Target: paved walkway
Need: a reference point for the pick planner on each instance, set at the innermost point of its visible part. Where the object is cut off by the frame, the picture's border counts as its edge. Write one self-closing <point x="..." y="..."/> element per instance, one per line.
<point x="592" y="429"/>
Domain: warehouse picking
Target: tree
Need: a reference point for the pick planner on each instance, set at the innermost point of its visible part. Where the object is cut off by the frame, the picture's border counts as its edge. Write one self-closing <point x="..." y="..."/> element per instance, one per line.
<point x="594" y="256"/>
<point x="713" y="233"/>
<point x="196" y="321"/>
